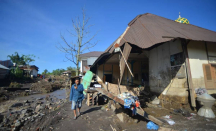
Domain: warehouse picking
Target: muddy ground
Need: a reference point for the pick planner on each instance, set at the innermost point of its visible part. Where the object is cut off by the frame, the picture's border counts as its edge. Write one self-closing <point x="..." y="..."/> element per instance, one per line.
<point x="52" y="111"/>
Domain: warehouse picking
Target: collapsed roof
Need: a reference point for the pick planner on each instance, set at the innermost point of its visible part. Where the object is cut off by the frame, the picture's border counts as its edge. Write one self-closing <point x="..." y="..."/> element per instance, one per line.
<point x="147" y="30"/>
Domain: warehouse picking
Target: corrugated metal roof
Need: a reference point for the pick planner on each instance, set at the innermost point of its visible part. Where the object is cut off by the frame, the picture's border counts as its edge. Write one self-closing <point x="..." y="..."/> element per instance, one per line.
<point x="148" y="29"/>
<point x="91" y="54"/>
<point x="3" y="67"/>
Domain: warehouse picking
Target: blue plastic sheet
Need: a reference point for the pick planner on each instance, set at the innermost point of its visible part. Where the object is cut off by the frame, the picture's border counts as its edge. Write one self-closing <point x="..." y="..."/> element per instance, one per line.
<point x="152" y="126"/>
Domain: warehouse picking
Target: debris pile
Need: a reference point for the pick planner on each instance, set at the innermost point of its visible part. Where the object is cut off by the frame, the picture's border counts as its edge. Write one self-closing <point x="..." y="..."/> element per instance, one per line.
<point x="44" y="86"/>
<point x="28" y="111"/>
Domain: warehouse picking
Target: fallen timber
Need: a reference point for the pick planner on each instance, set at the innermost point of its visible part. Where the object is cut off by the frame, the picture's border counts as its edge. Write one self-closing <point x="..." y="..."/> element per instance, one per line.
<point x="140" y="111"/>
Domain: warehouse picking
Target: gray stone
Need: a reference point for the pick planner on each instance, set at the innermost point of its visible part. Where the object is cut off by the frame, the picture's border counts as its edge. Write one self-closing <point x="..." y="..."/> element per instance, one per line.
<point x="155" y="101"/>
<point x="41" y="98"/>
<point x="18" y="123"/>
<point x="120" y="116"/>
<point x="38" y="107"/>
<point x="17" y="105"/>
<point x="113" y="107"/>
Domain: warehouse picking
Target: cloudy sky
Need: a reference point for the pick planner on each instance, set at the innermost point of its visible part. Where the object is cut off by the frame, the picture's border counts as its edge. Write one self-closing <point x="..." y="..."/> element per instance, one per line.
<point x="34" y="26"/>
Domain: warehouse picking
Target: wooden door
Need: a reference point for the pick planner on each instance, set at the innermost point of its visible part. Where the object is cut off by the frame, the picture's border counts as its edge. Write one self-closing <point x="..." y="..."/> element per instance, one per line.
<point x="214" y="75"/>
<point x="209" y="76"/>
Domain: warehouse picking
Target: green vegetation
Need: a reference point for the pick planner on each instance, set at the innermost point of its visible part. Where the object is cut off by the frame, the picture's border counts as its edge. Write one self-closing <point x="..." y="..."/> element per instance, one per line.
<point x="58" y="72"/>
<point x="21" y="60"/>
<point x="15" y="85"/>
<point x="17" y="73"/>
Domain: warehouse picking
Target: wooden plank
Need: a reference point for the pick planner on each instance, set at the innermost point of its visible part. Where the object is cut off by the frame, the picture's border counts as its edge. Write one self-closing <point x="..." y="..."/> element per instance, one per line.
<point x="119" y="87"/>
<point x="123" y="60"/>
<point x="140" y="111"/>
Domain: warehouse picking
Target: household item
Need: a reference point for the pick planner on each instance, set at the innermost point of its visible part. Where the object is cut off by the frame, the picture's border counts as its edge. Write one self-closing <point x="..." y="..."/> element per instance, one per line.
<point x="207" y="101"/>
<point x="87" y="80"/>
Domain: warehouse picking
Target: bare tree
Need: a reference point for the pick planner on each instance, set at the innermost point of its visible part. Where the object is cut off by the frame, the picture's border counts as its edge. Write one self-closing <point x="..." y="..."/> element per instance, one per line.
<point x="81" y="31"/>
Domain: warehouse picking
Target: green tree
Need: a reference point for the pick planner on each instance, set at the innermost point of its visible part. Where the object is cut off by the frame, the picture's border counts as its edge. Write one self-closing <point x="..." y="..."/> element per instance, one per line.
<point x="45" y="72"/>
<point x="21" y="60"/>
<point x="73" y="70"/>
<point x="16" y="58"/>
<point x="29" y="58"/>
<point x="17" y="72"/>
<point x="58" y="71"/>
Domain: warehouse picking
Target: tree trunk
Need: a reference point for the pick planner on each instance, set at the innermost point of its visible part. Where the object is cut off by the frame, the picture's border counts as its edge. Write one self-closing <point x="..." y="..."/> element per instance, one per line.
<point x="77" y="69"/>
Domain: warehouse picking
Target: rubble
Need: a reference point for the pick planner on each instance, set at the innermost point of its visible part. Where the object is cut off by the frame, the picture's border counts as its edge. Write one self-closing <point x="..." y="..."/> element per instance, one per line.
<point x="19" y="113"/>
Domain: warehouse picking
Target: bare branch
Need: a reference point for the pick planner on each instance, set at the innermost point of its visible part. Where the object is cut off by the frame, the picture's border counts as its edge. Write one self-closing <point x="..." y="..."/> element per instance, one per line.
<point x="89" y="46"/>
<point x="82" y="41"/>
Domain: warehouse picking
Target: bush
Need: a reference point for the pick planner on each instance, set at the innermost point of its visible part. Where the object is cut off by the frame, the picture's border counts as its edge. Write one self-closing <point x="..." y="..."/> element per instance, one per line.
<point x="15" y="85"/>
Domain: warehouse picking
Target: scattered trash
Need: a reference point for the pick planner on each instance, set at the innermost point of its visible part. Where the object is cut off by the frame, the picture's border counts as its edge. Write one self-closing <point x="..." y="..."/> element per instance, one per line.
<point x="170" y="121"/>
<point x="152" y="126"/>
<point x="167" y="116"/>
<point x="193" y="114"/>
<point x="200" y="91"/>
<point x="191" y="118"/>
<point x="207" y="120"/>
<point x="184" y="112"/>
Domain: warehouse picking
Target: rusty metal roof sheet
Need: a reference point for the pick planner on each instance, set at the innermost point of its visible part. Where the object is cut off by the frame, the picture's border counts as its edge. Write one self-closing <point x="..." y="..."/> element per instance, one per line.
<point x="148" y="29"/>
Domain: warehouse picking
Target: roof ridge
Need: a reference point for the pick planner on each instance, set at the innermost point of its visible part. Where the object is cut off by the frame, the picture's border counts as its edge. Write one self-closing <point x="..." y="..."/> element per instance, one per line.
<point x="138" y="16"/>
<point x="181" y="23"/>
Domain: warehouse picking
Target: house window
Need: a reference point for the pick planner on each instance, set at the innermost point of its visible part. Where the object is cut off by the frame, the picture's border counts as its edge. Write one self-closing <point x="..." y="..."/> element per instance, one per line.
<point x="177" y="69"/>
<point x="177" y="59"/>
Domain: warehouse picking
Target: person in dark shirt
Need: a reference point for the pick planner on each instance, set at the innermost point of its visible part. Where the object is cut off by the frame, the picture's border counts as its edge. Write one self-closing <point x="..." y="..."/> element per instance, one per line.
<point x="76" y="96"/>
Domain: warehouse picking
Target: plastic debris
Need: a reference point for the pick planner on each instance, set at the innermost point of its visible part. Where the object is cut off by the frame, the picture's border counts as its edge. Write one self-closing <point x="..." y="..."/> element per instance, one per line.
<point x="193" y="114"/>
<point x="200" y="91"/>
<point x="170" y="121"/>
<point x="152" y="126"/>
<point x="167" y="116"/>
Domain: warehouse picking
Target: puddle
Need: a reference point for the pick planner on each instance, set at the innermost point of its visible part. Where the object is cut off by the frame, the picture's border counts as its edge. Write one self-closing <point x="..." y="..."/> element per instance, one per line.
<point x="59" y="94"/>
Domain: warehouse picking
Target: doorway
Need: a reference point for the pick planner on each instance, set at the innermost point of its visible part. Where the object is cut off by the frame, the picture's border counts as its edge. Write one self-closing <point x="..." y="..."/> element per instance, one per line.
<point x="108" y="78"/>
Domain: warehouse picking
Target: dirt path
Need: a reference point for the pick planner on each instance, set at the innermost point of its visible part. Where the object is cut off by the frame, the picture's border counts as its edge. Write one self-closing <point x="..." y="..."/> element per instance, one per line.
<point x="94" y="118"/>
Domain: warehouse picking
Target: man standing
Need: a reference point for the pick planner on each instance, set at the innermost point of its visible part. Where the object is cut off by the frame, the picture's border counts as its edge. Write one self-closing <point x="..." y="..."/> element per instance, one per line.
<point x="76" y="96"/>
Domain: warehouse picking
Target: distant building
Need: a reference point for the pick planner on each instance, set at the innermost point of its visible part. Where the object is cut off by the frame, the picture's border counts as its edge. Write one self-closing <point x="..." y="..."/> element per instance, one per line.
<point x="32" y="68"/>
<point x="87" y="59"/>
<point x="66" y="73"/>
<point x="3" y="71"/>
<point x="6" y="63"/>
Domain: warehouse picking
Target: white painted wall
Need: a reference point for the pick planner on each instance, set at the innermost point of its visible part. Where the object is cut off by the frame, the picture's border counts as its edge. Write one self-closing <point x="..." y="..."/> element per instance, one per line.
<point x="197" y="57"/>
<point x="91" y="60"/>
<point x="34" y="72"/>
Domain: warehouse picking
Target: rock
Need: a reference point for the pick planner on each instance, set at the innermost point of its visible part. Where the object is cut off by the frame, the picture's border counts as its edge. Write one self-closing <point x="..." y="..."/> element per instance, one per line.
<point x="1" y="118"/>
<point x="41" y="98"/>
<point x="26" y="101"/>
<point x="17" y="105"/>
<point x="121" y="117"/>
<point x="113" y="107"/>
<point x="136" y="121"/>
<point x="18" y="123"/>
<point x="38" y="107"/>
<point x="155" y="100"/>
<point x="152" y="105"/>
<point x="27" y="104"/>
<point x="32" y="120"/>
<point x="24" y="111"/>
<point x="39" y="102"/>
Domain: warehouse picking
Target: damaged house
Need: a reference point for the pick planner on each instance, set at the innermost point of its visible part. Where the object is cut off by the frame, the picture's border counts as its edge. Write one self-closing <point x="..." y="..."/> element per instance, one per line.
<point x="171" y="58"/>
